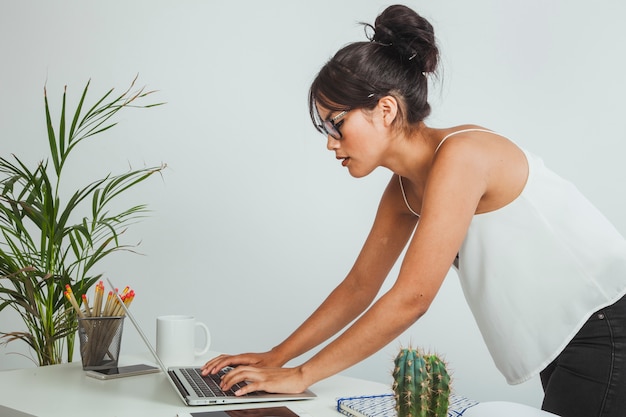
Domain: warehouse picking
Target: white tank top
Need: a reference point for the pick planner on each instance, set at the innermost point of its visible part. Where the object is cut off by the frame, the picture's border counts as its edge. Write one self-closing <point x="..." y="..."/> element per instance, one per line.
<point x="535" y="270"/>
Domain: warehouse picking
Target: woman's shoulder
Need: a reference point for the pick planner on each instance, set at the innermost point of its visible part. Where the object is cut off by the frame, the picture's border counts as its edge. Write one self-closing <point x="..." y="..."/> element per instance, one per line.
<point x="467" y="131"/>
<point x="474" y="138"/>
<point x="476" y="153"/>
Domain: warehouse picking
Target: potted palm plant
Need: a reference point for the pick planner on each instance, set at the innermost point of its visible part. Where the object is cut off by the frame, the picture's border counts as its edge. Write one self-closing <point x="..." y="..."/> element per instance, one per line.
<point x="48" y="241"/>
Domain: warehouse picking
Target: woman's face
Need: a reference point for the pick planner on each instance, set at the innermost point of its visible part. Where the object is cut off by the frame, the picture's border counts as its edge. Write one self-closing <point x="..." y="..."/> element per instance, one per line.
<point x="361" y="145"/>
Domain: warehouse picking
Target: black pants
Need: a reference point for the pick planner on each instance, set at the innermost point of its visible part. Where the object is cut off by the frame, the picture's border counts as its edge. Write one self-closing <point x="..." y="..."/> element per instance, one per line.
<point x="588" y="379"/>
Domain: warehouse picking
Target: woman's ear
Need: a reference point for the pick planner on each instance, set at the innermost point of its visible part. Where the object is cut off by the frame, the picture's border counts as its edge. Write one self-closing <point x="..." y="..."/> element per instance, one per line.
<point x="388" y="107"/>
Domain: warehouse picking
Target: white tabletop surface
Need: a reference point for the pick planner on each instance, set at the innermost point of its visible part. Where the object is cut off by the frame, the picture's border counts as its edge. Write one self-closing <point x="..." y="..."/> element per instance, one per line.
<point x="65" y="390"/>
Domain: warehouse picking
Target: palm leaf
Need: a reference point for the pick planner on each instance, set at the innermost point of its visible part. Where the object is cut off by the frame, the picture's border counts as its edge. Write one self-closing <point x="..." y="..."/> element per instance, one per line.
<point x="41" y="250"/>
<point x="52" y="141"/>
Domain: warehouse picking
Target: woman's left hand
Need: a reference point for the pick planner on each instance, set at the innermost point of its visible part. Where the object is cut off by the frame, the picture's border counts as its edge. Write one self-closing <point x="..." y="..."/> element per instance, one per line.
<point x="275" y="380"/>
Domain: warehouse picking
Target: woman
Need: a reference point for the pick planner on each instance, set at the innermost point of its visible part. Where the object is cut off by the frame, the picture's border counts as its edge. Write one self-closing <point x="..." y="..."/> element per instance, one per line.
<point x="542" y="270"/>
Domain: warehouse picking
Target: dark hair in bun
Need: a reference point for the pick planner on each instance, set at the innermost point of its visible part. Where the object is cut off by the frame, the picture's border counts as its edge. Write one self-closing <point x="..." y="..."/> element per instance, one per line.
<point x="402" y="50"/>
<point x="409" y="34"/>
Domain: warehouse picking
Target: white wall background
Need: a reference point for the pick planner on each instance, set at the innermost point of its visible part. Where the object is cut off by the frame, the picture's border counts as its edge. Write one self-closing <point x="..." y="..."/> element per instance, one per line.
<point x="255" y="221"/>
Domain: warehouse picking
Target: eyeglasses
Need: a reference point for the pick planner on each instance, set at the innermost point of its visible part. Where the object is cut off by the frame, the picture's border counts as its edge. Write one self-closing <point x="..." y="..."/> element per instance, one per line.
<point x="331" y="126"/>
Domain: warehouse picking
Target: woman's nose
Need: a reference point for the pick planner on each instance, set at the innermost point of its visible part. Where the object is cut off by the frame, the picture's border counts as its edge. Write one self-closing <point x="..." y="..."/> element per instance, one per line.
<point x="331" y="143"/>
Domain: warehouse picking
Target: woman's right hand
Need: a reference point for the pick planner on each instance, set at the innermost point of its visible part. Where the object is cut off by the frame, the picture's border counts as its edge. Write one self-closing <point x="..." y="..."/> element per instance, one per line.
<point x="260" y="360"/>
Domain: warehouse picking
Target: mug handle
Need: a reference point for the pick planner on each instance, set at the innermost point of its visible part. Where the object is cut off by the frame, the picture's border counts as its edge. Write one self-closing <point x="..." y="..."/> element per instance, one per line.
<point x="207" y="335"/>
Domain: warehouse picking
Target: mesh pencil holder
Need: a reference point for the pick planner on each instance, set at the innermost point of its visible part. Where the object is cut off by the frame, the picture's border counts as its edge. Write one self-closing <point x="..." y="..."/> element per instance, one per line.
<point x="100" y="341"/>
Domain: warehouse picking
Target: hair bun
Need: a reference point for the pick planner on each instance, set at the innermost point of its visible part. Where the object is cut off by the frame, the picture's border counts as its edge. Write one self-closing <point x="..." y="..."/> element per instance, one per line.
<point x="408" y="33"/>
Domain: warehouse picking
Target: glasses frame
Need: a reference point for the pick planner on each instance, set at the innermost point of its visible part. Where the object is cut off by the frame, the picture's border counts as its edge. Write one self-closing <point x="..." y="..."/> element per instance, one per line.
<point x="331" y="126"/>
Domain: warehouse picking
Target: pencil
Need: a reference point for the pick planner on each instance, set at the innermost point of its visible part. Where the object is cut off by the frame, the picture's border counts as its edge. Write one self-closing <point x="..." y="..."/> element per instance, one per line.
<point x="87" y="308"/>
<point x="126" y="290"/>
<point x="98" y="300"/>
<point x="129" y="299"/>
<point x="107" y="306"/>
<point x="70" y="296"/>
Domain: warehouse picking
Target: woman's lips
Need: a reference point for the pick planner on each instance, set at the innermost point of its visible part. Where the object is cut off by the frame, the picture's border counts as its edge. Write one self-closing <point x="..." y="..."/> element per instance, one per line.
<point x="344" y="160"/>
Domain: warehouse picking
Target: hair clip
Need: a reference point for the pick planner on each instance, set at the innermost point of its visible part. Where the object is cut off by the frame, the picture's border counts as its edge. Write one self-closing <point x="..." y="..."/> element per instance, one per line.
<point x="381" y="43"/>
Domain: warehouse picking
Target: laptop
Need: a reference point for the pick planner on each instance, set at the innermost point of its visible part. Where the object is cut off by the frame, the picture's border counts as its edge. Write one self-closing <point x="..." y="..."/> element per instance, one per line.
<point x="195" y="389"/>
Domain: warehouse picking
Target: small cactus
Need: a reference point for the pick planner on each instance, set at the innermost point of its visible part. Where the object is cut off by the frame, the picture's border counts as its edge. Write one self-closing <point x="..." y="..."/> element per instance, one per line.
<point x="421" y="385"/>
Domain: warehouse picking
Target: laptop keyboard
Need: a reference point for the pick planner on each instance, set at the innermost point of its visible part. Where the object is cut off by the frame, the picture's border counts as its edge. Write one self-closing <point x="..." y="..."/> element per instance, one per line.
<point x="209" y="385"/>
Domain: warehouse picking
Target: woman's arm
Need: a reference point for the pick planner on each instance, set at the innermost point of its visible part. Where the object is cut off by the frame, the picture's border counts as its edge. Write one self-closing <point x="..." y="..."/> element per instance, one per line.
<point x="391" y="230"/>
<point x="455" y="186"/>
<point x="452" y="193"/>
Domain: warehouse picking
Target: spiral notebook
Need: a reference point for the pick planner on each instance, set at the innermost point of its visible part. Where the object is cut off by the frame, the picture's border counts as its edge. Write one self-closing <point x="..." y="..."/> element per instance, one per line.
<point x="385" y="406"/>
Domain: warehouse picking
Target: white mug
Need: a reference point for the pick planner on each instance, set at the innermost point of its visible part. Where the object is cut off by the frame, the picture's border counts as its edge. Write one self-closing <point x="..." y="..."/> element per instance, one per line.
<point x="176" y="340"/>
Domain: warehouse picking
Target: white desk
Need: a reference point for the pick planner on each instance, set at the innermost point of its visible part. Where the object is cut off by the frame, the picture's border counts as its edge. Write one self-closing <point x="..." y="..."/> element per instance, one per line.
<point x="65" y="390"/>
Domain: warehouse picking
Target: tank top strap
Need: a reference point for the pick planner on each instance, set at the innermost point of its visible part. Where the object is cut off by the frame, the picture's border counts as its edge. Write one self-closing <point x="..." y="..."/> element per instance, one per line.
<point x="404" y="197"/>
<point x="463" y="131"/>
<point x="406" y="201"/>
